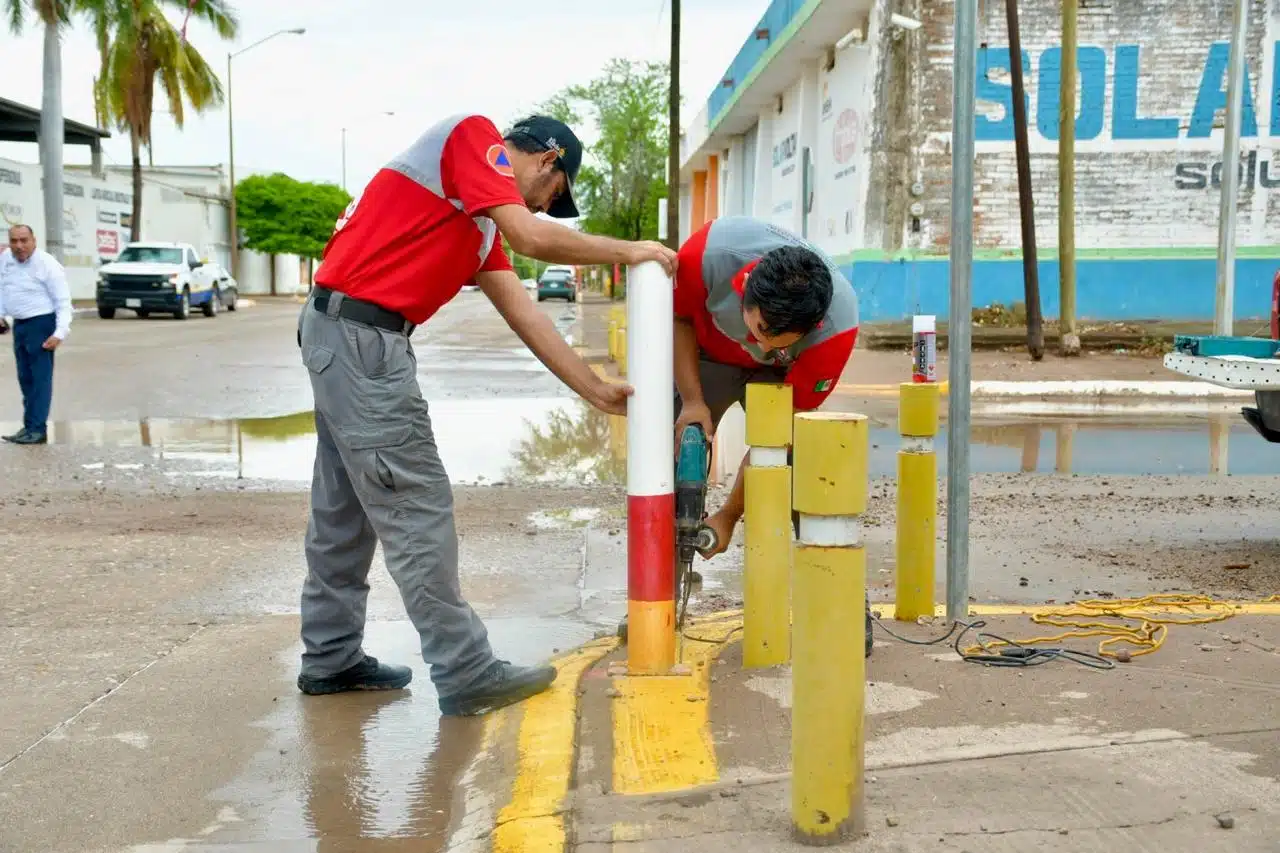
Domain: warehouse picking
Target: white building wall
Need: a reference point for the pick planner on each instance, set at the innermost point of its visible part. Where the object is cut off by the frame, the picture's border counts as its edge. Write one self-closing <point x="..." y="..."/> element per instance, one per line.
<point x="809" y="106"/>
<point x="97" y="222"/>
<point x="785" y="161"/>
<point x="842" y="157"/>
<point x="762" y="201"/>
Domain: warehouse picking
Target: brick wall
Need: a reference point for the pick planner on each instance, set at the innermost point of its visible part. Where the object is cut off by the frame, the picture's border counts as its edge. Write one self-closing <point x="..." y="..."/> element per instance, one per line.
<point x="1136" y="187"/>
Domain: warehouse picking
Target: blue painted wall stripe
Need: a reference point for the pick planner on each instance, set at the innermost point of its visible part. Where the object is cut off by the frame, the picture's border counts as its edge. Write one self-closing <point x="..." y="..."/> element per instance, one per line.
<point x="1106" y="289"/>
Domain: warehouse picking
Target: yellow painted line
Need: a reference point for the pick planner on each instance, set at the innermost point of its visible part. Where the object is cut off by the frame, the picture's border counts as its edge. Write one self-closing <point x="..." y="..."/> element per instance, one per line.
<point x="661" y="727"/>
<point x="1245" y="608"/>
<point x="533" y="821"/>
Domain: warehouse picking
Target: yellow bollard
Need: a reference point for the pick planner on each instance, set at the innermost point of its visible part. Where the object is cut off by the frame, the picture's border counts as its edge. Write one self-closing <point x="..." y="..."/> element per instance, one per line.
<point x="766" y="630"/>
<point x="917" y="501"/>
<point x="622" y="351"/>
<point x="828" y="670"/>
<point x="613" y="339"/>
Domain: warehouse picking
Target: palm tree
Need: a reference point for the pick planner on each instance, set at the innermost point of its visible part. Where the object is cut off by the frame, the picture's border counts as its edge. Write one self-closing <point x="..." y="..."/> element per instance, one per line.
<point x="54" y="14"/>
<point x="139" y="47"/>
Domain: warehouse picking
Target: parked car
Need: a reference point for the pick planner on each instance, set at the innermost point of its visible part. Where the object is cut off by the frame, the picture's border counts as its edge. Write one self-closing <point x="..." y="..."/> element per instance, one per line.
<point x="228" y="287"/>
<point x="557" y="283"/>
<point x="154" y="277"/>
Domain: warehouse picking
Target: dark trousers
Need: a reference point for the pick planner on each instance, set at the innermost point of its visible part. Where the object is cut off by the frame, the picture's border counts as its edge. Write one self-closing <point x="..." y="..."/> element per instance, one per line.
<point x="35" y="370"/>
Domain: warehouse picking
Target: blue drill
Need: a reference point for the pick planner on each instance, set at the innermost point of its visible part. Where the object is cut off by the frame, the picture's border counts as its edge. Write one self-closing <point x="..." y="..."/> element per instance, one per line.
<point x="693" y="466"/>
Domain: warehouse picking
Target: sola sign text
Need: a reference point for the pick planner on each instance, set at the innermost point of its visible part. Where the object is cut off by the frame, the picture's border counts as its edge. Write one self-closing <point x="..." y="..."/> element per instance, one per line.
<point x="1197" y="116"/>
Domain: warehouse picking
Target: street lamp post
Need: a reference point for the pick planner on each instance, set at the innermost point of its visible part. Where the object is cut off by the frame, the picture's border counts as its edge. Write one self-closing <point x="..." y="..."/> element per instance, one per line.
<point x="231" y="147"/>
<point x="344" y="149"/>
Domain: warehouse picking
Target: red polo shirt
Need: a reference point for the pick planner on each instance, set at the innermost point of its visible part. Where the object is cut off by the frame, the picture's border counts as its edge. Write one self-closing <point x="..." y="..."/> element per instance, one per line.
<point x="418" y="232"/>
<point x="714" y="264"/>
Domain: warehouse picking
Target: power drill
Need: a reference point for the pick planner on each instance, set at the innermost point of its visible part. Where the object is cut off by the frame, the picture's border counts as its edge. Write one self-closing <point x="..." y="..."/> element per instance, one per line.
<point x="693" y="466"/>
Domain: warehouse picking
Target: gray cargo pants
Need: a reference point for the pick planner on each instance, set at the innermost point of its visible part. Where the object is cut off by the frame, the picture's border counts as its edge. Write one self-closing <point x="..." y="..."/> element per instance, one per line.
<point x="378" y="478"/>
<point x="726" y="384"/>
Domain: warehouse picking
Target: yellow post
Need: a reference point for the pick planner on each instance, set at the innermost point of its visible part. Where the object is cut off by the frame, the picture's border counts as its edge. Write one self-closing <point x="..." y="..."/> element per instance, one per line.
<point x="622" y="351"/>
<point x="613" y="339"/>
<point x="917" y="501"/>
<point x="766" y="631"/>
<point x="828" y="670"/>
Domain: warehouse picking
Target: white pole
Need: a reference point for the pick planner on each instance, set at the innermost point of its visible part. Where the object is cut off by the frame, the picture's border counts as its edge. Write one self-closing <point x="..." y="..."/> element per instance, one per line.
<point x="651" y="524"/>
<point x="1224" y="307"/>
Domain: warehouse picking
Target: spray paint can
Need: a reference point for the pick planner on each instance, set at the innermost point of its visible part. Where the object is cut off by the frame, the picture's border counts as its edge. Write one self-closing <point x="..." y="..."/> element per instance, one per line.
<point x="924" y="348"/>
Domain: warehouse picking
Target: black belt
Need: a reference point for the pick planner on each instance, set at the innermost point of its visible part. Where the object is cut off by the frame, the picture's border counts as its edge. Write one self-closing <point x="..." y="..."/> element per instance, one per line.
<point x="363" y="312"/>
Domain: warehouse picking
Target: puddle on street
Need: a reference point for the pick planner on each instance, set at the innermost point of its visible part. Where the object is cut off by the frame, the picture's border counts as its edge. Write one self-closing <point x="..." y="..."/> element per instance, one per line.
<point x="532" y="440"/>
<point x="566" y="442"/>
<point x="361" y="766"/>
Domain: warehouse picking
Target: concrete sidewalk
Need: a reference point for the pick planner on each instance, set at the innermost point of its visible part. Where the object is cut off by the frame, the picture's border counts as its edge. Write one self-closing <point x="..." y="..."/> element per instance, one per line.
<point x="1175" y="751"/>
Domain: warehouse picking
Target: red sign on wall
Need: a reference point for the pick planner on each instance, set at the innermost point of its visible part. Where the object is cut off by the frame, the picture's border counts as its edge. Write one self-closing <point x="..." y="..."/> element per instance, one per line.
<point x="108" y="242"/>
<point x="844" y="138"/>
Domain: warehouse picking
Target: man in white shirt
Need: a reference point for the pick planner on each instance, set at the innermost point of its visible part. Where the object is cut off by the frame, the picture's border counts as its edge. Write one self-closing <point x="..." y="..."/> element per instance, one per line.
<point x="34" y="292"/>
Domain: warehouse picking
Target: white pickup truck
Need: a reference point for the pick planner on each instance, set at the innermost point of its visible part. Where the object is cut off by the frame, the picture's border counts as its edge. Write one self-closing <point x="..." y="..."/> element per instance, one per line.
<point x="160" y="278"/>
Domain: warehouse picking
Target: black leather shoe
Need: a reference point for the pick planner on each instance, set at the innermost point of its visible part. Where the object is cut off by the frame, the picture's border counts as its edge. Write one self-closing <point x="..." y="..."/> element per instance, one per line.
<point x="31" y="438"/>
<point x="502" y="685"/>
<point x="17" y="435"/>
<point x="366" y="675"/>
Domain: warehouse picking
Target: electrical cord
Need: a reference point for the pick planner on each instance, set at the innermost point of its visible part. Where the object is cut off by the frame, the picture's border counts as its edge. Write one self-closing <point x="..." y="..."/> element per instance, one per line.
<point x="1010" y="653"/>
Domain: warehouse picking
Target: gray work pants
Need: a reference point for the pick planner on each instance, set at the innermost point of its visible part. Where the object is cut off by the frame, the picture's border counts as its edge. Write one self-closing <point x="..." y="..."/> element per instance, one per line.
<point x="726" y="384"/>
<point x="378" y="478"/>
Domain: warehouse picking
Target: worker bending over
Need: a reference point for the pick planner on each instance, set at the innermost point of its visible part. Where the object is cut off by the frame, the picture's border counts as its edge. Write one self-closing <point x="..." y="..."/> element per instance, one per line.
<point x="756" y="303"/>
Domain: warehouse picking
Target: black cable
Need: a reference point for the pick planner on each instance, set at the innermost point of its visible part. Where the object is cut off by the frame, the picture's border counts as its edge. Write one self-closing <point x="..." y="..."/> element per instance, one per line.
<point x="932" y="642"/>
<point x="1012" y="654"/>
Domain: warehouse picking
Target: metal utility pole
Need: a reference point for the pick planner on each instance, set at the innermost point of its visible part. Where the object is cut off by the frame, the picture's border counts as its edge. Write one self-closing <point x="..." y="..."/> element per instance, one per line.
<point x="233" y="226"/>
<point x="1070" y="340"/>
<point x="961" y="318"/>
<point x="673" y="134"/>
<point x="1224" y="304"/>
<point x="1026" y="204"/>
<point x="233" y="223"/>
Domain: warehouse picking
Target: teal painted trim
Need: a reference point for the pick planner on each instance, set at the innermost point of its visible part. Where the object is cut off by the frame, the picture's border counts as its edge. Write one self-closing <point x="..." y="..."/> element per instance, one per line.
<point x="805" y="13"/>
<point x="1051" y="254"/>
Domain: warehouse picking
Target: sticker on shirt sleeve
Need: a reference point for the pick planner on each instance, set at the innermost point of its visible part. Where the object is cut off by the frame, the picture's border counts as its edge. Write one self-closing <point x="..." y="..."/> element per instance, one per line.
<point x="823" y="385"/>
<point x="500" y="160"/>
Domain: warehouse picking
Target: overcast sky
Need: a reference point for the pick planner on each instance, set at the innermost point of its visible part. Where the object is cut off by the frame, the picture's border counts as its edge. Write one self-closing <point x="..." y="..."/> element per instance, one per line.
<point x="422" y="59"/>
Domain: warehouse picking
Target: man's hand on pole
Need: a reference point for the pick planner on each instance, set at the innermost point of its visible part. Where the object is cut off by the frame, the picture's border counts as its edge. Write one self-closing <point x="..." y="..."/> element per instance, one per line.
<point x="648" y="250"/>
<point x="609" y="397"/>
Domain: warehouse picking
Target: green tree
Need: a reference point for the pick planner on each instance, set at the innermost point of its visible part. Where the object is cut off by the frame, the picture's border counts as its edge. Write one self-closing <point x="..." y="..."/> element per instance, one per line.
<point x="619" y="185"/>
<point x="138" y="47"/>
<point x="282" y="216"/>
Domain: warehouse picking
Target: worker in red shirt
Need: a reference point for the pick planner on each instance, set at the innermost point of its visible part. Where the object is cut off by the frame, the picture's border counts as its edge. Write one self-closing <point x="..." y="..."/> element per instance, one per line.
<point x="429" y="222"/>
<point x="756" y="303"/>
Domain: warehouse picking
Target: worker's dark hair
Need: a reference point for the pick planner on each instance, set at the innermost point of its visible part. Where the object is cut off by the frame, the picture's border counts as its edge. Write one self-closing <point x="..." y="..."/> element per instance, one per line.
<point x="526" y="144"/>
<point x="792" y="288"/>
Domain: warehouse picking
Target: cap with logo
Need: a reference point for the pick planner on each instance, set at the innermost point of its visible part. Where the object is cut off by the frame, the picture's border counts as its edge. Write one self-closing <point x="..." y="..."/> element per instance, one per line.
<point x="555" y="136"/>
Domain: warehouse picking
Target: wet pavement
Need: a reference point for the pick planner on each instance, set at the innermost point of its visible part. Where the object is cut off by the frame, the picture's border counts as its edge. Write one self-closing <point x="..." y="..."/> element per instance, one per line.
<point x="154" y="555"/>
<point x="562" y="440"/>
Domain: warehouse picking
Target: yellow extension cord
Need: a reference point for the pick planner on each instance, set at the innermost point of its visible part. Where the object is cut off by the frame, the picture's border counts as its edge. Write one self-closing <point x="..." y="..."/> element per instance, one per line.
<point x="1139" y="625"/>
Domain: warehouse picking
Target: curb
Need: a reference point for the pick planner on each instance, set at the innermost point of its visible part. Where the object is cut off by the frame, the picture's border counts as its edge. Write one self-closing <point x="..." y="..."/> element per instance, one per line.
<point x="1110" y="390"/>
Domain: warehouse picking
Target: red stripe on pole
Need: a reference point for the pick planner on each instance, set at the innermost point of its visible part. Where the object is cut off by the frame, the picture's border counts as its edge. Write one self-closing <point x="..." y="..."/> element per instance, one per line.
<point x="651" y="547"/>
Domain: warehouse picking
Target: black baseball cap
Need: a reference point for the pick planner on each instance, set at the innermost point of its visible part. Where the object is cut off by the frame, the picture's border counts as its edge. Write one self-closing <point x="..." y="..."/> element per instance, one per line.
<point x="555" y="136"/>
